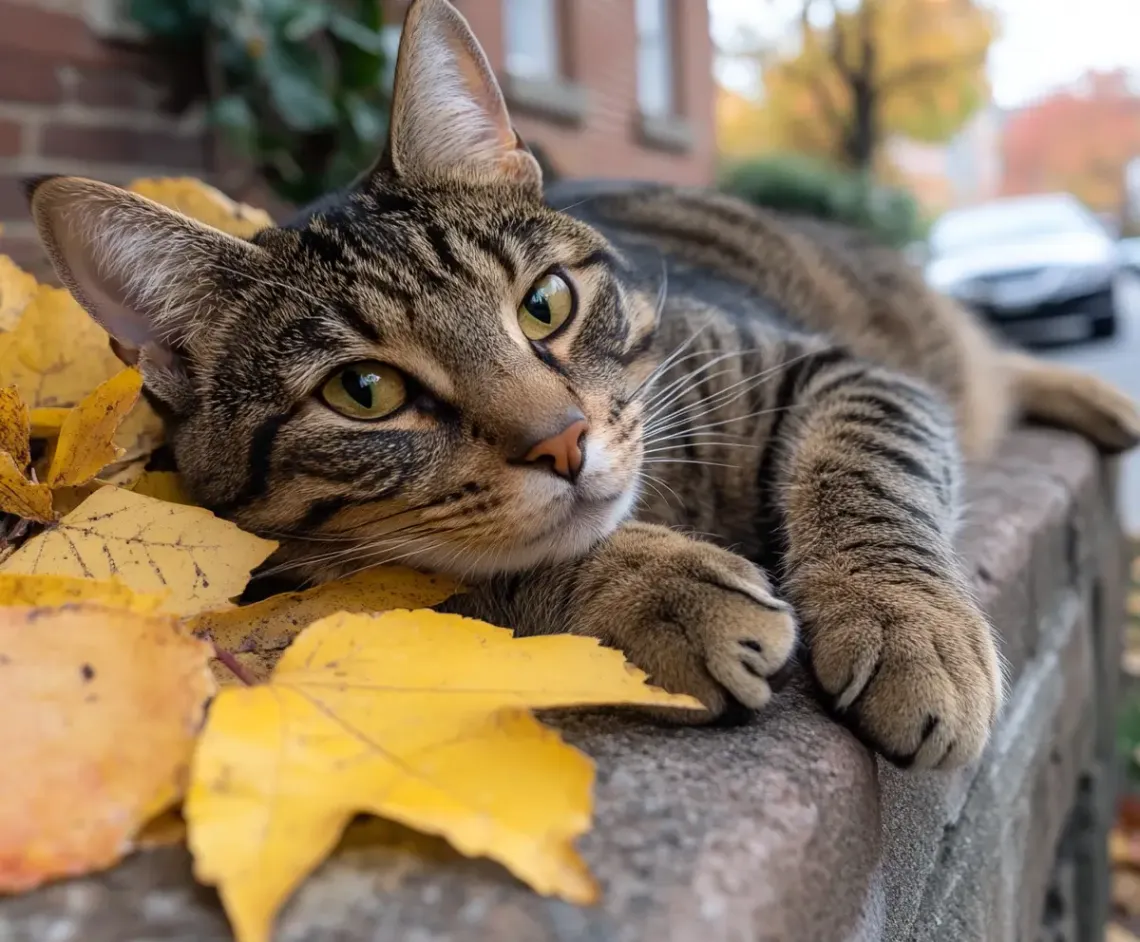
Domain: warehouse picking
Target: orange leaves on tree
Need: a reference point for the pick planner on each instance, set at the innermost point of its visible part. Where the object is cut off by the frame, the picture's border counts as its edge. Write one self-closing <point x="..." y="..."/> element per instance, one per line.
<point x="924" y="76"/>
<point x="1041" y="152"/>
<point x="104" y="709"/>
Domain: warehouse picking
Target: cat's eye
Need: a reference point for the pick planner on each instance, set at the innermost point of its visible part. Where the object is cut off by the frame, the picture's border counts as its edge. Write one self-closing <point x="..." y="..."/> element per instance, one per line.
<point x="367" y="390"/>
<point x="548" y="305"/>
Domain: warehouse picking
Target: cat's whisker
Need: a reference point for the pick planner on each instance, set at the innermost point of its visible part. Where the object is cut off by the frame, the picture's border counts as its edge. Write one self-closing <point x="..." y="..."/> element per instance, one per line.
<point x="667" y="448"/>
<point x="711" y="464"/>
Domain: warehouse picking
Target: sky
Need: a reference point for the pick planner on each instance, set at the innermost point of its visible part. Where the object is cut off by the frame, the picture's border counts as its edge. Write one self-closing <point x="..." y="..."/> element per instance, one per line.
<point x="1044" y="43"/>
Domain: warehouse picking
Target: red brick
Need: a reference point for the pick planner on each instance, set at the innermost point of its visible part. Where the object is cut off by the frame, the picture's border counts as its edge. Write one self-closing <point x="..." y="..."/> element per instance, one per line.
<point x="123" y="146"/>
<point x="114" y="88"/>
<point x="28" y="78"/>
<point x="28" y="28"/>
<point x="11" y="138"/>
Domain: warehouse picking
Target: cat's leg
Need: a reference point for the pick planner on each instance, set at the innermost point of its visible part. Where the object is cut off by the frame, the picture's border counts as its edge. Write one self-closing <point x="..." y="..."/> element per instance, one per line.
<point x="696" y="618"/>
<point x="868" y="493"/>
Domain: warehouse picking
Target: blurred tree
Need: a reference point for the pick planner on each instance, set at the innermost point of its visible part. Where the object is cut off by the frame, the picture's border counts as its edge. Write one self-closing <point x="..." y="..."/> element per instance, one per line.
<point x="1079" y="140"/>
<point x="852" y="74"/>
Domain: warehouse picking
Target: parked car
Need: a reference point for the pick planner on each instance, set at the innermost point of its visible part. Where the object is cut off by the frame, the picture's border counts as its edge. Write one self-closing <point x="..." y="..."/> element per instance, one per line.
<point x="1130" y="254"/>
<point x="1040" y="267"/>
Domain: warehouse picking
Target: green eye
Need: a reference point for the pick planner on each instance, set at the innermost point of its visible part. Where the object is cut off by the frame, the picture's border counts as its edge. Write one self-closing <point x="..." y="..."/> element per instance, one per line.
<point x="547" y="307"/>
<point x="366" y="390"/>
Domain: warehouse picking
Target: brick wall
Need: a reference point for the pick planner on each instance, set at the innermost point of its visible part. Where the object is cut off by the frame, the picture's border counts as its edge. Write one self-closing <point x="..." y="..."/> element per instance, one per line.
<point x="71" y="102"/>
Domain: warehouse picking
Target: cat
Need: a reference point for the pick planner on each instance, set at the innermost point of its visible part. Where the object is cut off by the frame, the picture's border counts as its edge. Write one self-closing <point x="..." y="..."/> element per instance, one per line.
<point x="579" y="411"/>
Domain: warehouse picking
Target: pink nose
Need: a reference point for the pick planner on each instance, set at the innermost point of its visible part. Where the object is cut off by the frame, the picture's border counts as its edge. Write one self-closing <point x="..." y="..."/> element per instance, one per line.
<point x="562" y="451"/>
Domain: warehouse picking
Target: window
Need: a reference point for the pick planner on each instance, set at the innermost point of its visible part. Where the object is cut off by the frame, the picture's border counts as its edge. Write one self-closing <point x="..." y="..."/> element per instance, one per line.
<point x="531" y="28"/>
<point x="655" y="87"/>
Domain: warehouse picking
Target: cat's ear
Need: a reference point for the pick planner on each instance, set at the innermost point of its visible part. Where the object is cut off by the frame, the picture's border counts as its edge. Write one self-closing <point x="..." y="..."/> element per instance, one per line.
<point x="144" y="272"/>
<point x="449" y="118"/>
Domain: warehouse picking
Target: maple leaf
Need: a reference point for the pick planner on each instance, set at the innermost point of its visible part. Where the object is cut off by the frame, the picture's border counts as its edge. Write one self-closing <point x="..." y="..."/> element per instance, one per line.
<point x="110" y="702"/>
<point x="257" y="634"/>
<point x="202" y="202"/>
<point x="151" y="546"/>
<point x="419" y="717"/>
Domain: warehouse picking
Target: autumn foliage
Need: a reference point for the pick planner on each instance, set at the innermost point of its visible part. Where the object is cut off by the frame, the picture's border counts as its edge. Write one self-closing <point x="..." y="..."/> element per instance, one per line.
<point x="848" y="77"/>
<point x="144" y="706"/>
<point x="1078" y="140"/>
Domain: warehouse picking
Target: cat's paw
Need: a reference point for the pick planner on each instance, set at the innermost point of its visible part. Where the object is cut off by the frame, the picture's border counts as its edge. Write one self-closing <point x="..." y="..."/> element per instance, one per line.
<point x="703" y="621"/>
<point x="916" y="675"/>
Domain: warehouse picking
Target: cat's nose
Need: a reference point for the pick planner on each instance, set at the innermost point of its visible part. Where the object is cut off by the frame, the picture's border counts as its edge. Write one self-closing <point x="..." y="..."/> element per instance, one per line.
<point x="562" y="452"/>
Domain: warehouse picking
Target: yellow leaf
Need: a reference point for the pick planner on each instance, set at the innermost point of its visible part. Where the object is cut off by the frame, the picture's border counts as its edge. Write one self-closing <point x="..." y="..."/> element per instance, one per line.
<point x="202" y="202"/>
<point x="140" y="434"/>
<point x="47" y="422"/>
<point x="54" y="591"/>
<point x="161" y="485"/>
<point x="16" y="289"/>
<point x="20" y="496"/>
<point x="104" y="706"/>
<point x="415" y="716"/>
<point x="149" y="545"/>
<point x="15" y="428"/>
<point x="85" y="444"/>
<point x="56" y="354"/>
<point x="263" y="630"/>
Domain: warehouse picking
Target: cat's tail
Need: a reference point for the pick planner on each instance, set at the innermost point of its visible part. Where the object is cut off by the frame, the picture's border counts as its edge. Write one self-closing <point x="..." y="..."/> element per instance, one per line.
<point x="1067" y="398"/>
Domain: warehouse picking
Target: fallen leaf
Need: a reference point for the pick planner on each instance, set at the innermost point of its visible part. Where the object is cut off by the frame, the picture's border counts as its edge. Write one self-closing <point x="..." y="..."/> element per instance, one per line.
<point x="54" y="591"/>
<point x="151" y="546"/>
<point x="161" y="485"/>
<point x="15" y="427"/>
<point x="20" y="496"/>
<point x="16" y="289"/>
<point x="47" y="422"/>
<point x="261" y="631"/>
<point x="86" y="439"/>
<point x="415" y="716"/>
<point x="109" y="704"/>
<point x="205" y="203"/>
<point x="56" y="354"/>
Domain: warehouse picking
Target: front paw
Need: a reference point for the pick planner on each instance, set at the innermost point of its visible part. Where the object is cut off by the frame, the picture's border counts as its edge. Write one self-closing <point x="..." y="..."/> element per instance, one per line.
<point x="702" y="621"/>
<point x="914" y="671"/>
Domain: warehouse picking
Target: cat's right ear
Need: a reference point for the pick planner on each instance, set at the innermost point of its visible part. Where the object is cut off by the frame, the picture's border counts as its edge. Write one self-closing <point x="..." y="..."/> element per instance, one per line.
<point x="144" y="272"/>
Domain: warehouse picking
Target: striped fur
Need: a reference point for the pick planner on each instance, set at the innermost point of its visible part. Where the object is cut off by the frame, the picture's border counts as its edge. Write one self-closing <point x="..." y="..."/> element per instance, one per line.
<point x="751" y="381"/>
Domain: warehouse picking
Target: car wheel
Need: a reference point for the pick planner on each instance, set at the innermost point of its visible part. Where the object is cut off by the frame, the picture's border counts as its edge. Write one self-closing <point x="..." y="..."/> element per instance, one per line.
<point x="1104" y="327"/>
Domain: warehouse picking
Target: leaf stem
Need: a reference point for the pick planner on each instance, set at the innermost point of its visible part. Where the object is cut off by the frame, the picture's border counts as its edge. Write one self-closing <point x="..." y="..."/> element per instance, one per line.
<point x="233" y="666"/>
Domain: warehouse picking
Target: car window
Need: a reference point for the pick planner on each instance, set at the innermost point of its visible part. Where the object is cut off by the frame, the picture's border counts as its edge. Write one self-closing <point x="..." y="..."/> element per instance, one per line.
<point x="1009" y="222"/>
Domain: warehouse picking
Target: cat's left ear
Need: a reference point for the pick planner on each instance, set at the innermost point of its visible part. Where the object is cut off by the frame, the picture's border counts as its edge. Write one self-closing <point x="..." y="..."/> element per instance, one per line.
<point x="449" y="119"/>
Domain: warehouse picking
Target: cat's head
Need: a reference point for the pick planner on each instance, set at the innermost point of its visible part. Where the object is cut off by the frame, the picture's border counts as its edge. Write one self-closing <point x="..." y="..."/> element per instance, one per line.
<point x="434" y="367"/>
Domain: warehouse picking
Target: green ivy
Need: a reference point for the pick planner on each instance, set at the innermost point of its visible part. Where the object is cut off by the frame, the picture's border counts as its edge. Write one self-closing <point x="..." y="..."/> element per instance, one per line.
<point x="301" y="87"/>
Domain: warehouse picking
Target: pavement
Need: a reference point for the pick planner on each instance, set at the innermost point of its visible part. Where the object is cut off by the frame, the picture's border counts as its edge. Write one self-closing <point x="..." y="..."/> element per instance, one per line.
<point x="1118" y="361"/>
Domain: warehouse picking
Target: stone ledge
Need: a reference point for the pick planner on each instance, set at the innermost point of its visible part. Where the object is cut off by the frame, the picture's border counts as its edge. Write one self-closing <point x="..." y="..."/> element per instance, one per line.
<point x="787" y="829"/>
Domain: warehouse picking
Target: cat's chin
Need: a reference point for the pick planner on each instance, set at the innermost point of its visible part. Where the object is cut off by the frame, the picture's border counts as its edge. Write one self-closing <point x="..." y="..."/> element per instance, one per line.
<point x="590" y="522"/>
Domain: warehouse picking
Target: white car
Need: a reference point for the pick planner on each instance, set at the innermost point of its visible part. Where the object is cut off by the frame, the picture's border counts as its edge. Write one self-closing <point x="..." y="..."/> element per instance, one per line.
<point x="1041" y="267"/>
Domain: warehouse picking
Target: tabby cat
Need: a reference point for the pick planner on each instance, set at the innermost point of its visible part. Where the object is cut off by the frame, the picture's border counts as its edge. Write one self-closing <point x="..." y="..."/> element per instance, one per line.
<point x="579" y="414"/>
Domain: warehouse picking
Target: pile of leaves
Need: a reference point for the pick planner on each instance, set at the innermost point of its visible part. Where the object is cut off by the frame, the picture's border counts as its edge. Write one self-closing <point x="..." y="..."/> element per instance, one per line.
<point x="148" y="707"/>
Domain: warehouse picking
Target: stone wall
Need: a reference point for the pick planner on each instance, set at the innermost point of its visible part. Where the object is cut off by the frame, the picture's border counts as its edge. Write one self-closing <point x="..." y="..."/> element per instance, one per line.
<point x="787" y="830"/>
